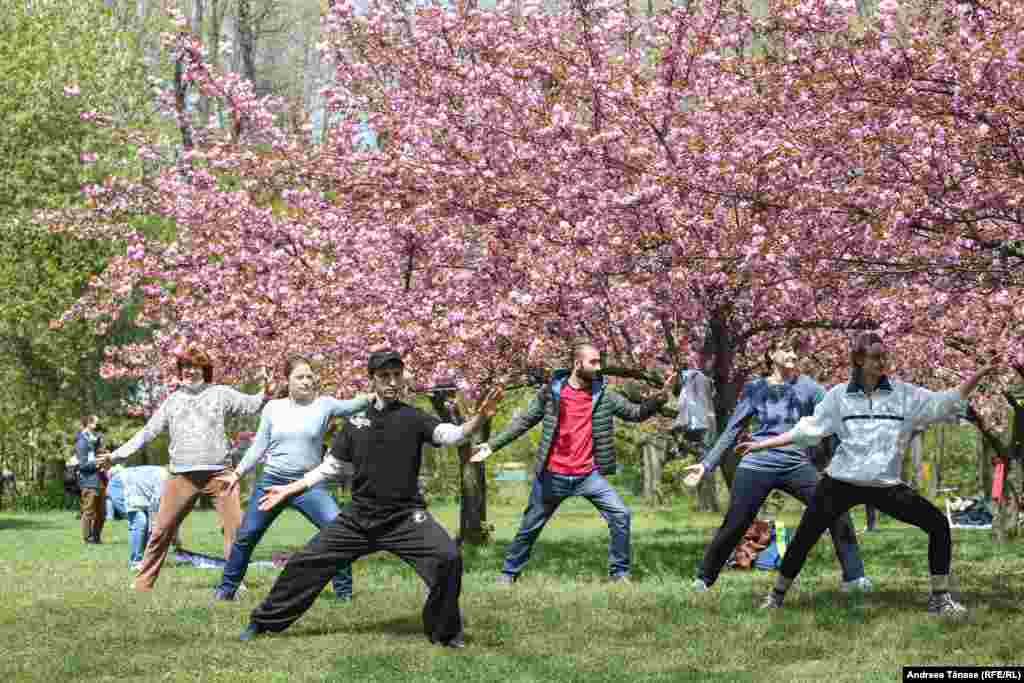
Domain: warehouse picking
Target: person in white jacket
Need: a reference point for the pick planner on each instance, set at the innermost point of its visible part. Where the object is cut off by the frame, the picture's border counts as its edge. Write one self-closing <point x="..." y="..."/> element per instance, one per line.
<point x="874" y="418"/>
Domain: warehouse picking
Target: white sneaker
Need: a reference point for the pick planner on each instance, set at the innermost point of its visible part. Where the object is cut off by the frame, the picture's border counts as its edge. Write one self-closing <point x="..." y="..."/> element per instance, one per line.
<point x="861" y="585"/>
<point x="771" y="601"/>
<point x="943" y="605"/>
<point x="698" y="586"/>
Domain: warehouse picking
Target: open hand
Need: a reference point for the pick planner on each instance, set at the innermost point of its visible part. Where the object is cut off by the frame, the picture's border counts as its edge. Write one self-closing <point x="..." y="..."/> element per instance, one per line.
<point x="746" y="447"/>
<point x="233" y="480"/>
<point x="481" y="453"/>
<point x="273" y="496"/>
<point x="694" y="473"/>
<point x="489" y="407"/>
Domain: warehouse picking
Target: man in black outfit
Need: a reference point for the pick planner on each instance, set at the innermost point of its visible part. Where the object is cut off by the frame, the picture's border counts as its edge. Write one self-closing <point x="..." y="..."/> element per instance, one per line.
<point x="383" y="447"/>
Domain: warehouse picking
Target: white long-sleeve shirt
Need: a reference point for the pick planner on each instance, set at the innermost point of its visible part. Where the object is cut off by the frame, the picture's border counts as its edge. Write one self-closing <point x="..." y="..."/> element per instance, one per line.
<point x="873" y="429"/>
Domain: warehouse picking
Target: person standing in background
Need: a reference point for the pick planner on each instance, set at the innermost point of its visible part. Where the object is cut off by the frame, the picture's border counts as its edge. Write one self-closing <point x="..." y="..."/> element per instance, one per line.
<point x="88" y="442"/>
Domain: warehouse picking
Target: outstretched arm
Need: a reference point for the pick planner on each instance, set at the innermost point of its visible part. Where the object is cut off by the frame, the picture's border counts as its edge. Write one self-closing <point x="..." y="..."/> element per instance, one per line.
<point x="624" y="409"/>
<point x="739" y="418"/>
<point x="257" y="450"/>
<point x="929" y="406"/>
<point x="335" y="464"/>
<point x="239" y="403"/>
<point x="156" y="424"/>
<point x="447" y="434"/>
<point x="523" y="423"/>
<point x="809" y="431"/>
<point x="347" y="407"/>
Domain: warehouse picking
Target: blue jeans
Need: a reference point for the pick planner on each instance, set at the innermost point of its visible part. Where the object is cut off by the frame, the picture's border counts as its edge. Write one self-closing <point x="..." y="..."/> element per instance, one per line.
<point x="138" y="533"/>
<point x="316" y="505"/>
<point x="548" y="492"/>
<point x="115" y="499"/>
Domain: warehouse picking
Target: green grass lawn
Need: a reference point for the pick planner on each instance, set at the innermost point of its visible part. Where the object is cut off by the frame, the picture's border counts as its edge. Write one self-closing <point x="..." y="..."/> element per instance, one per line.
<point x="67" y="613"/>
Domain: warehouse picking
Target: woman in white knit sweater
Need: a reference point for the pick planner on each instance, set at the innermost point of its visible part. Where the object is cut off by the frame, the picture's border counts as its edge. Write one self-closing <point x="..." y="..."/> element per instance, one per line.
<point x="199" y="464"/>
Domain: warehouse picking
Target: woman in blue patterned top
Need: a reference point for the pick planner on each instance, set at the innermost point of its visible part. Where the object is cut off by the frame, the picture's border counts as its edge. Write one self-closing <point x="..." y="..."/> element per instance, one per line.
<point x="777" y="403"/>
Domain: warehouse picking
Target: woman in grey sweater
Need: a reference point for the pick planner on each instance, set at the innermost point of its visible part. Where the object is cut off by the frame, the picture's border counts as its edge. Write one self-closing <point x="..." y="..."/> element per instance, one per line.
<point x="194" y="418"/>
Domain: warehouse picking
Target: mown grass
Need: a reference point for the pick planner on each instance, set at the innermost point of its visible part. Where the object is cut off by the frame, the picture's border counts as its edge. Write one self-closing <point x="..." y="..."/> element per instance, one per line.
<point x="67" y="612"/>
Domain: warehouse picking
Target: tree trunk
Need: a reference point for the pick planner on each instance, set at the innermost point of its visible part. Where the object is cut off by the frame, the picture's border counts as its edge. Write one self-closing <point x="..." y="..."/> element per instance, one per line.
<point x="917" y="476"/>
<point x="940" y="451"/>
<point x="984" y="468"/>
<point x="707" y="494"/>
<point x="55" y="470"/>
<point x="1016" y="450"/>
<point x="727" y="386"/>
<point x="198" y="11"/>
<point x="246" y="41"/>
<point x="473" y="529"/>
<point x="653" y="458"/>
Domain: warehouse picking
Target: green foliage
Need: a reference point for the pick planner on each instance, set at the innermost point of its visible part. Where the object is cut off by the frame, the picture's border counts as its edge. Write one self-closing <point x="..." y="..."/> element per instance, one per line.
<point x="47" y="46"/>
<point x="51" y="497"/>
<point x="50" y="376"/>
<point x="672" y="476"/>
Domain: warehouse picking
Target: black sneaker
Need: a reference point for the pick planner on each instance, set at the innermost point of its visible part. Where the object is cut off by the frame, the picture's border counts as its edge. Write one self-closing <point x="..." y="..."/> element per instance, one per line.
<point x="249" y="632"/>
<point x="456" y="643"/>
<point x="223" y="595"/>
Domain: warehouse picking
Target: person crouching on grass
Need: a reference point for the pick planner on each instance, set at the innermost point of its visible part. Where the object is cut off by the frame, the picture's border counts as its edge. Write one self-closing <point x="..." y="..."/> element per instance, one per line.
<point x="874" y="417"/>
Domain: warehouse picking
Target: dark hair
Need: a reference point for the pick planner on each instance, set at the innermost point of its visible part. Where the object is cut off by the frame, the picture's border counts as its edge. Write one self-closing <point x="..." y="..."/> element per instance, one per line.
<point x="577" y="349"/>
<point x="196" y="358"/>
<point x="861" y="343"/>
<point x="293" y="361"/>
<point x="795" y="342"/>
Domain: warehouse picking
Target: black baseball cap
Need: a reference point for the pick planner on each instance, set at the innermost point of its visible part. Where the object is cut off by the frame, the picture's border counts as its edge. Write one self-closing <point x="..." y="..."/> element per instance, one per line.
<point x="379" y="359"/>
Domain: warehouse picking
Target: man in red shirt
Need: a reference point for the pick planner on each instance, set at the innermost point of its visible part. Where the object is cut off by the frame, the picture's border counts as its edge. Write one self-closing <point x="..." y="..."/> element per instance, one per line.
<point x="576" y="449"/>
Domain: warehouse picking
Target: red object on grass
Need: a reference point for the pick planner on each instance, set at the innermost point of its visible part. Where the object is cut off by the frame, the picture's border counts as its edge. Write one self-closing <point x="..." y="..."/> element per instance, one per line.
<point x="998" y="477"/>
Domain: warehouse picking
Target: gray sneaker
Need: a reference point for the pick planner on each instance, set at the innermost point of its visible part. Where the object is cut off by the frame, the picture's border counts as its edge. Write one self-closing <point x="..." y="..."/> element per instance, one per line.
<point x="861" y="585"/>
<point x="943" y="605"/>
<point x="698" y="586"/>
<point x="771" y="601"/>
<point x="505" y="579"/>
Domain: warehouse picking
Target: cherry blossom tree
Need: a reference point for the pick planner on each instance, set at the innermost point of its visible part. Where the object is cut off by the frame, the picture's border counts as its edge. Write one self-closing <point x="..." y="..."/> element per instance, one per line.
<point x="701" y="178"/>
